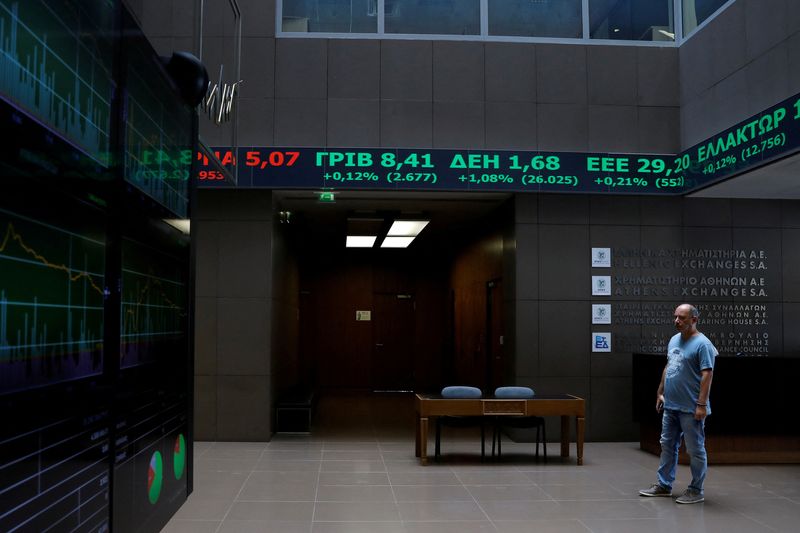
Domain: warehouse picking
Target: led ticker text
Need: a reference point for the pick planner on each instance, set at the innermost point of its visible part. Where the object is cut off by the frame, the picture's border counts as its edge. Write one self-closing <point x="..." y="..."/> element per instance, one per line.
<point x="446" y="170"/>
<point x="767" y="136"/>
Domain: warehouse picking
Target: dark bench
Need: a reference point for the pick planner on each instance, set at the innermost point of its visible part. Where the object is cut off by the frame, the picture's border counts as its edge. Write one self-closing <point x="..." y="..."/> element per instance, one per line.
<point x="294" y="410"/>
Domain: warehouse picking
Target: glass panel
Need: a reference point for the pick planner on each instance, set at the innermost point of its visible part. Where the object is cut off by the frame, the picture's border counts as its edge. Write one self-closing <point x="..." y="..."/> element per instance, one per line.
<point x="330" y="16"/>
<point x="632" y="20"/>
<point x="535" y="18"/>
<point x="697" y="11"/>
<point x="443" y="17"/>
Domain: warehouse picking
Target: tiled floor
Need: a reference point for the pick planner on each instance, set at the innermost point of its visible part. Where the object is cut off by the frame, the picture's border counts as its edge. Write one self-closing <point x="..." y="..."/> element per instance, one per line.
<point x="358" y="473"/>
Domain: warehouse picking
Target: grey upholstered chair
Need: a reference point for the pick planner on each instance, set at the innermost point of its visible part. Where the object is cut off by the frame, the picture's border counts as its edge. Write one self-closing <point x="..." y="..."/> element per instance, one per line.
<point x="460" y="392"/>
<point x="517" y="422"/>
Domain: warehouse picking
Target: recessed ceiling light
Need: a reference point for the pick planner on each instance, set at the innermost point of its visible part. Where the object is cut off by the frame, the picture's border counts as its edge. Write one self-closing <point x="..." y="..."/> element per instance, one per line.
<point x="396" y="242"/>
<point x="181" y="224"/>
<point x="360" y="241"/>
<point x="407" y="227"/>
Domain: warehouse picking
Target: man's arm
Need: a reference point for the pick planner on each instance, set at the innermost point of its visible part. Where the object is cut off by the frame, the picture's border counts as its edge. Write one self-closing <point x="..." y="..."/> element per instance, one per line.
<point x="660" y="392"/>
<point x="701" y="409"/>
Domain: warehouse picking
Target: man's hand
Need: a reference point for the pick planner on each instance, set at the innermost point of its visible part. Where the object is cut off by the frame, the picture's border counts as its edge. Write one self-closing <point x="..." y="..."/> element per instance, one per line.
<point x="660" y="403"/>
<point x="700" y="412"/>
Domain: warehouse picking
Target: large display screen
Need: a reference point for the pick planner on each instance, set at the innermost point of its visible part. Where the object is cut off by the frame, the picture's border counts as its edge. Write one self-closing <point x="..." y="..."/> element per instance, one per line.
<point x="52" y="283"/>
<point x="151" y="400"/>
<point x="54" y="473"/>
<point x="151" y="460"/>
<point x="56" y="66"/>
<point x="54" y="435"/>
<point x="154" y="308"/>
<point x="158" y="130"/>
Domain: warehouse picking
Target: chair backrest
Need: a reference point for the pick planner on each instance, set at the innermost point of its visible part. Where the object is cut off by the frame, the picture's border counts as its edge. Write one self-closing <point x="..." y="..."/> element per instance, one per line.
<point x="461" y="391"/>
<point x="513" y="392"/>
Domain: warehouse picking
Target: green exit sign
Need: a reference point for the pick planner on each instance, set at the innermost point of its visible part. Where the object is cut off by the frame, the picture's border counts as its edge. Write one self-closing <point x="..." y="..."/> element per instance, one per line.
<point x="327" y="196"/>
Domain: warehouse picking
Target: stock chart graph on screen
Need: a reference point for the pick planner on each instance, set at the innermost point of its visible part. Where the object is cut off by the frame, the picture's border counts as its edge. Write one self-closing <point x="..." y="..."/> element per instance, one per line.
<point x="153" y="317"/>
<point x="51" y="302"/>
<point x="55" y="65"/>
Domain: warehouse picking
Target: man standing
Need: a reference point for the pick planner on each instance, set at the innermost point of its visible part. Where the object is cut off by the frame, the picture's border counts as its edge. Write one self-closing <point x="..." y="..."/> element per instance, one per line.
<point x="683" y="397"/>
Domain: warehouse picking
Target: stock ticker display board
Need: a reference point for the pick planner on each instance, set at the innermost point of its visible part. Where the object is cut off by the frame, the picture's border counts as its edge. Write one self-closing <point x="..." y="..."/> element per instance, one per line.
<point x="158" y="132"/>
<point x="770" y="135"/>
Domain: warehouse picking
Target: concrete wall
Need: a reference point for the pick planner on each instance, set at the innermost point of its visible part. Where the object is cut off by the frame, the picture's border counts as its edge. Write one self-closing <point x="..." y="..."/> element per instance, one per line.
<point x="554" y="237"/>
<point x="301" y="92"/>
<point x="233" y="326"/>
<point x="339" y="92"/>
<point x="746" y="60"/>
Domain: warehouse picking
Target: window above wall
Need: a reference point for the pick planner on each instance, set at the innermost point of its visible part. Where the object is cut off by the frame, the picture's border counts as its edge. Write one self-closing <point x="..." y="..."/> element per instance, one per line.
<point x="643" y="22"/>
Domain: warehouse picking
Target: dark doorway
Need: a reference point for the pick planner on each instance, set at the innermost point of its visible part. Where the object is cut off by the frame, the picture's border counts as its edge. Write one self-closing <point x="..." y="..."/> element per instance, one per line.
<point x="393" y="334"/>
<point x="495" y="332"/>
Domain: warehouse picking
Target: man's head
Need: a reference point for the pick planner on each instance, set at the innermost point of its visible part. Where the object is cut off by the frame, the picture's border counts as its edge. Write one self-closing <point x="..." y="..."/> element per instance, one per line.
<point x="686" y="319"/>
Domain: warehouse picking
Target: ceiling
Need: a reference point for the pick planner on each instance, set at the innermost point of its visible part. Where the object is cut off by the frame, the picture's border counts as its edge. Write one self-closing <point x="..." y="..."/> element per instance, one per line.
<point x="448" y="212"/>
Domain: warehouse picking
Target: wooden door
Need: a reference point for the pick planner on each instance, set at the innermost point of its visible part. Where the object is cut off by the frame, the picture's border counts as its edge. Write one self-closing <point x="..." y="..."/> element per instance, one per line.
<point x="495" y="332"/>
<point x="393" y="334"/>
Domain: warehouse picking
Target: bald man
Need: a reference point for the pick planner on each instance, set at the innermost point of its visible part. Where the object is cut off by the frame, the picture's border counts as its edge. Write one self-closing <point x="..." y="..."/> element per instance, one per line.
<point x="682" y="396"/>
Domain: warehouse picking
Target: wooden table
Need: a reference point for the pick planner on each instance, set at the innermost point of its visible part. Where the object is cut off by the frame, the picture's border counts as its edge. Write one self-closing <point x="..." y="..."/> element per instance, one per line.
<point x="563" y="405"/>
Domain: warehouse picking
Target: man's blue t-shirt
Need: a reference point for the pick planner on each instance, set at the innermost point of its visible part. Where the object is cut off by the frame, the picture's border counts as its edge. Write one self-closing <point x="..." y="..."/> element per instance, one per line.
<point x="685" y="360"/>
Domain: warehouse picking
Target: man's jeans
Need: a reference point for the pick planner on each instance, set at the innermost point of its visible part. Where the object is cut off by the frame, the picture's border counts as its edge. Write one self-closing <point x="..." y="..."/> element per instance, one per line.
<point x="673" y="425"/>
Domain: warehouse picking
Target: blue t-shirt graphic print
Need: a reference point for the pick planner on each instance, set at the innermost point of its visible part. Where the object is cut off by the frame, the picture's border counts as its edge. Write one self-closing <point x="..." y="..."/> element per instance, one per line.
<point x="685" y="361"/>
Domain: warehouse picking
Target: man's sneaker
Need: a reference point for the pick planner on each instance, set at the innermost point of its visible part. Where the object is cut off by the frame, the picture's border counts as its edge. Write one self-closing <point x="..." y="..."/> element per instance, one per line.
<point x="656" y="490"/>
<point x="691" y="496"/>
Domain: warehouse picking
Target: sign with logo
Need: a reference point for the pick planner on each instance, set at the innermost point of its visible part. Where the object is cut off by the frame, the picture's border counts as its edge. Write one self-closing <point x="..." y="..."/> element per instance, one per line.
<point x="601" y="342"/>
<point x="363" y="316"/>
<point x="601" y="285"/>
<point x="219" y="99"/>
<point x="601" y="257"/>
<point x="601" y="313"/>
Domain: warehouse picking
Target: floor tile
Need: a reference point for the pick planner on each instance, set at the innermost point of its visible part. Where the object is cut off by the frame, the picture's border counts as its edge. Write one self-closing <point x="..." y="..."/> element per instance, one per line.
<point x="431" y="493"/>
<point x="366" y="455"/>
<point x="778" y="513"/>
<point x="441" y="511"/>
<point x="191" y="526"/>
<point x="355" y="493"/>
<point x="673" y="524"/>
<point x="424" y="478"/>
<point x="278" y="465"/>
<point x="264" y="526"/>
<point x="359" y="527"/>
<point x="197" y="509"/>
<point x="351" y="478"/>
<point x="487" y="493"/>
<point x="525" y="510"/>
<point x="450" y="527"/>
<point x="356" y="511"/>
<point x="217" y="485"/>
<point x="272" y="511"/>
<point x="541" y="526"/>
<point x="353" y="466"/>
<point x="493" y="478"/>
<point x="584" y="491"/>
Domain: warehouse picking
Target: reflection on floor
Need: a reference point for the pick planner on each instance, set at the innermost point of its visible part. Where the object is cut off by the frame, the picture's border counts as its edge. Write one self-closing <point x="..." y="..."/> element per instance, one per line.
<point x="357" y="474"/>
